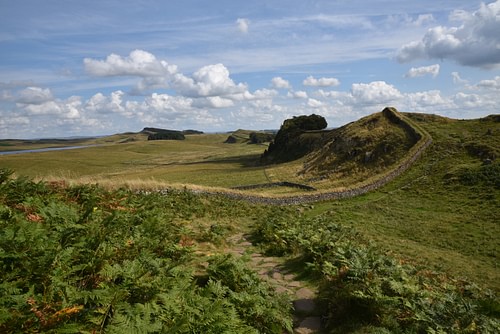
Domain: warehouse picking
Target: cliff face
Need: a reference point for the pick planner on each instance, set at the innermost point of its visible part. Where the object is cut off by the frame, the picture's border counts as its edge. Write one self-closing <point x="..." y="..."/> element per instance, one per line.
<point x="297" y="137"/>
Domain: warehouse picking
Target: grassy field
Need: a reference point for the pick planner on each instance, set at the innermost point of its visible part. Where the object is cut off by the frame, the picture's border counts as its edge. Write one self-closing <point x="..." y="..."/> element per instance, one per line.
<point x="200" y="159"/>
<point x="427" y="215"/>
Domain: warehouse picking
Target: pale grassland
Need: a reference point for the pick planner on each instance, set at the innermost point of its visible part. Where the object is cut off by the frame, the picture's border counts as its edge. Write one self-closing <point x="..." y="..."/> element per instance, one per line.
<point x="200" y="159"/>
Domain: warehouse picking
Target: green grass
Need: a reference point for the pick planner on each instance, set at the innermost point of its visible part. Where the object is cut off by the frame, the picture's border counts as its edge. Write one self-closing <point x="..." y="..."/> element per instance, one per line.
<point x="200" y="159"/>
<point x="440" y="215"/>
<point x="426" y="215"/>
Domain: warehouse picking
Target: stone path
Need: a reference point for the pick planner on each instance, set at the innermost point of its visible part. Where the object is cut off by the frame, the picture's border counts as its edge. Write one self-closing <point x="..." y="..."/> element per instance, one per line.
<point x="306" y="316"/>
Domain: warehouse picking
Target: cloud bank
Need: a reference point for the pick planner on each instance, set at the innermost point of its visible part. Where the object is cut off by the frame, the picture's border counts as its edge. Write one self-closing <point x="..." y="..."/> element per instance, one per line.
<point x="474" y="42"/>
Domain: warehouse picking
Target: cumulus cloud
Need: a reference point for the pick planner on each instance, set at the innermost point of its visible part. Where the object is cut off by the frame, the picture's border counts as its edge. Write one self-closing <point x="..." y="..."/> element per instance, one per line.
<point x="475" y="42"/>
<point x="62" y="109"/>
<point x="243" y="25"/>
<point x="321" y="82"/>
<point x="137" y="63"/>
<point x="280" y="83"/>
<point x="422" y="71"/>
<point x="420" y="101"/>
<point x="376" y="92"/>
<point x="155" y="73"/>
<point x="211" y="80"/>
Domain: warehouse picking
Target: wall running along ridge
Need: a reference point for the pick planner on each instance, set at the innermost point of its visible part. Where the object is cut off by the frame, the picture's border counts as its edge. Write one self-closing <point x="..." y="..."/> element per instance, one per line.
<point x="424" y="140"/>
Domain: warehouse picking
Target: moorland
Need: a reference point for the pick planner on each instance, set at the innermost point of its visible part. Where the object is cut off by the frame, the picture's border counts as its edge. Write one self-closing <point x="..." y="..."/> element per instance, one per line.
<point x="397" y="232"/>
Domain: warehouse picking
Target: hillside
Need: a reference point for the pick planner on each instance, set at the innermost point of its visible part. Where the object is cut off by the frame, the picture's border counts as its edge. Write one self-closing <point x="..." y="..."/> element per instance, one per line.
<point x="367" y="146"/>
<point x="363" y="153"/>
<point x="417" y="253"/>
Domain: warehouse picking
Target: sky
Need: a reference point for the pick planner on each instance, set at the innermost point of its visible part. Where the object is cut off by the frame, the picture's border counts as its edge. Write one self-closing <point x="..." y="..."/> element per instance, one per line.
<point x="84" y="68"/>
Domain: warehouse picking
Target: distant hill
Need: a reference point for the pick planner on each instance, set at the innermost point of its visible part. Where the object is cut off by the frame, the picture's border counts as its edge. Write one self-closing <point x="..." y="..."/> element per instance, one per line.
<point x="164" y="134"/>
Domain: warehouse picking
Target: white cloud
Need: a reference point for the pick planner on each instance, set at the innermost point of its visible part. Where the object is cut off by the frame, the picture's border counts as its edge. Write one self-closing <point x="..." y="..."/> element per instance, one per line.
<point x="243" y="25"/>
<point x="150" y="83"/>
<point x="211" y="80"/>
<point x="321" y="82"/>
<point x="138" y="63"/>
<point x="408" y="20"/>
<point x="490" y="84"/>
<point x="468" y="100"/>
<point x="112" y="104"/>
<point x="376" y="92"/>
<point x="165" y="104"/>
<point x="475" y="42"/>
<point x="421" y="101"/>
<point x="424" y="70"/>
<point x="62" y="109"/>
<point x="313" y="103"/>
<point x="34" y="95"/>
<point x="280" y="83"/>
<point x="300" y="94"/>
<point x="265" y="93"/>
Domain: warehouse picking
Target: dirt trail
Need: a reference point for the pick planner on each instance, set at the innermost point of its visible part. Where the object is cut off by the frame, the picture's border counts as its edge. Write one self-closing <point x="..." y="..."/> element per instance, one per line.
<point x="306" y="313"/>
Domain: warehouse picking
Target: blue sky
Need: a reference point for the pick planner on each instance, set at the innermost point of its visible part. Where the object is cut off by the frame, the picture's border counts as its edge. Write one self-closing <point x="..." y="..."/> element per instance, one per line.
<point x="71" y="68"/>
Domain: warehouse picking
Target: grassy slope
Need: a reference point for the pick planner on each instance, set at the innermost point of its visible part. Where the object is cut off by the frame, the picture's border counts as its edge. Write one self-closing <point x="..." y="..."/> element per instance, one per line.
<point x="349" y="155"/>
<point x="425" y="215"/>
<point x="428" y="216"/>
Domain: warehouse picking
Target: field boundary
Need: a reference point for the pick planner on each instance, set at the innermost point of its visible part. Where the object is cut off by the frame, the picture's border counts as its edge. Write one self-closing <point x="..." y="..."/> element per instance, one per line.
<point x="275" y="184"/>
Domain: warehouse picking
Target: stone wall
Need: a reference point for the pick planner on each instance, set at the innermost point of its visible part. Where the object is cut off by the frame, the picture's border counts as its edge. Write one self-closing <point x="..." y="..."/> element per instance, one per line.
<point x="424" y="140"/>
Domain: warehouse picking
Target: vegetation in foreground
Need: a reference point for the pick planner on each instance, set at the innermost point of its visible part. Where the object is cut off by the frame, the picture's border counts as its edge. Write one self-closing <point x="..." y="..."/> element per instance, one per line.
<point x="366" y="291"/>
<point x="440" y="216"/>
<point x="82" y="259"/>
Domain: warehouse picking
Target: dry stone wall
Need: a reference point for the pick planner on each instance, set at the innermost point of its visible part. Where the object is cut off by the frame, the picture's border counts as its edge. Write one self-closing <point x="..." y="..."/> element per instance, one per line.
<point x="424" y="140"/>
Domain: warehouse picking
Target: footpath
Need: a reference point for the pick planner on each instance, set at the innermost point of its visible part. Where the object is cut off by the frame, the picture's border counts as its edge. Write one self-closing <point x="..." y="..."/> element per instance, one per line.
<point x="307" y="319"/>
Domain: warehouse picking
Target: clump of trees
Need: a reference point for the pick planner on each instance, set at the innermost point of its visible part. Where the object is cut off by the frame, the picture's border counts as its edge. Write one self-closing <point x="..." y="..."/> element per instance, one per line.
<point x="295" y="138"/>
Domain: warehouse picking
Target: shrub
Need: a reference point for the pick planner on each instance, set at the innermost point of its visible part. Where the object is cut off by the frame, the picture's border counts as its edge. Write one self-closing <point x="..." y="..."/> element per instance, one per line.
<point x="367" y="291"/>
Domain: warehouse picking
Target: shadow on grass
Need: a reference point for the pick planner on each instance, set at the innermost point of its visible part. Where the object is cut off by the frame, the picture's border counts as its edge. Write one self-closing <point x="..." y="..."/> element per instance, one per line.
<point x="246" y="161"/>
